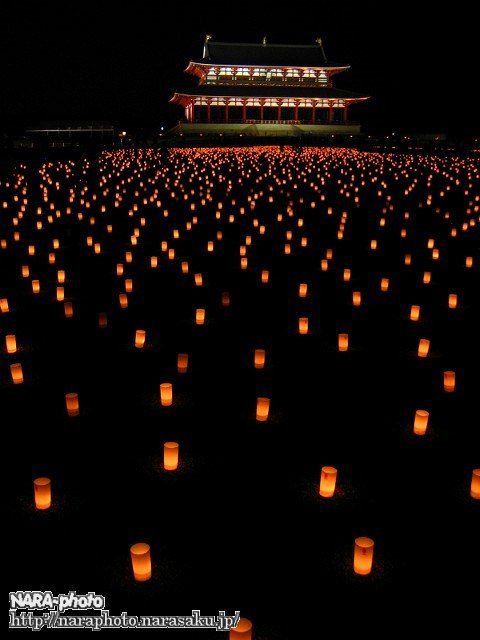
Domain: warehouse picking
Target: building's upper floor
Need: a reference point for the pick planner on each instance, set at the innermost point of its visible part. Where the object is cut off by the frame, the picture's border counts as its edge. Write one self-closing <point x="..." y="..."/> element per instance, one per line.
<point x="273" y="64"/>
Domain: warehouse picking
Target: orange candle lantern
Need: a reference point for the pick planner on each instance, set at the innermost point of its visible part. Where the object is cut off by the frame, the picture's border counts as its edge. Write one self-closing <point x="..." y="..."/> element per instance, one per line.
<point x="72" y="404"/>
<point x="123" y="300"/>
<point x="363" y="556"/>
<point x="25" y="271"/>
<point x="423" y="348"/>
<point x="357" y="298"/>
<point x="68" y="309"/>
<point x="4" y="305"/>
<point x="263" y="409"/>
<point x="469" y="262"/>
<point x="384" y="284"/>
<point x="328" y="479"/>
<point x="36" y="286"/>
<point x="421" y="422"/>
<point x="449" y="381"/>
<point x="324" y="265"/>
<point x="243" y="630"/>
<point x="170" y="456"/>
<point x="153" y="262"/>
<point x="225" y="299"/>
<point x="347" y="273"/>
<point x="408" y="259"/>
<point x="166" y="394"/>
<point x="303" y="326"/>
<point x="200" y="316"/>
<point x="139" y="338"/>
<point x="11" y="344"/>
<point x="265" y="276"/>
<point x="414" y="312"/>
<point x="42" y="489"/>
<point x="475" y="485"/>
<point x="60" y="294"/>
<point x="302" y="290"/>
<point x="343" y="341"/>
<point x="17" y="373"/>
<point x="141" y="561"/>
<point x="198" y="279"/>
<point x="259" y="358"/>
<point x="184" y="267"/>
<point x="182" y="362"/>
<point x="427" y="277"/>
<point x="61" y="276"/>
<point x="452" y="301"/>
<point x="128" y="285"/>
<point x="243" y="263"/>
<point x="119" y="269"/>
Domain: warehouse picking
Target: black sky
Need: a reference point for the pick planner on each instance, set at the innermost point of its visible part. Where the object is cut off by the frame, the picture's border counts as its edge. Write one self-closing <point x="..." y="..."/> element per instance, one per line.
<point x="89" y="61"/>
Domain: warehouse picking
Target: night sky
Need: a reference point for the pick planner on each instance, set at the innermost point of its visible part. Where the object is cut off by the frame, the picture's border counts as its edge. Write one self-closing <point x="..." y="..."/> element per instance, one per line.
<point x="77" y="61"/>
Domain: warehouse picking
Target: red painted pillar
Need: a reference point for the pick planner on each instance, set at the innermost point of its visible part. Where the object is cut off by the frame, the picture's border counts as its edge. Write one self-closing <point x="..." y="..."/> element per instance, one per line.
<point x="295" y="116"/>
<point x="279" y="111"/>
<point x="244" y="111"/>
<point x="330" y="114"/>
<point x="314" y="109"/>
<point x="261" y="109"/>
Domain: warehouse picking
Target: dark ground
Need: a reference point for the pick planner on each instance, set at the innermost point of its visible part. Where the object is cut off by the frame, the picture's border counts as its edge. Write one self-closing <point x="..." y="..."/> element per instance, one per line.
<point x="240" y="525"/>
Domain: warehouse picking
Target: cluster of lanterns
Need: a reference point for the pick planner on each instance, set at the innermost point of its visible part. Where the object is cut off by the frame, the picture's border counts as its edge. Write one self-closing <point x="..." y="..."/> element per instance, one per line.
<point x="180" y="195"/>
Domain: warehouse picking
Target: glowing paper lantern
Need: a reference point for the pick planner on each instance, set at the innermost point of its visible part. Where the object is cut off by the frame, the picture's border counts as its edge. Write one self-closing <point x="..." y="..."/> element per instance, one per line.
<point x="166" y="394"/>
<point x="421" y="422"/>
<point x="36" y="286"/>
<point x="347" y="273"/>
<point x="343" y="341"/>
<point x="243" y="630"/>
<point x="141" y="561"/>
<point x="200" y="316"/>
<point x="452" y="301"/>
<point x="475" y="485"/>
<point x="427" y="277"/>
<point x="259" y="358"/>
<point x="60" y="294"/>
<point x="356" y="298"/>
<point x="303" y="326"/>
<point x="302" y="290"/>
<point x="225" y="299"/>
<point x="328" y="479"/>
<point x="363" y="556"/>
<point x="42" y="489"/>
<point x="72" y="404"/>
<point x="170" y="456"/>
<point x="17" y="373"/>
<point x="449" y="381"/>
<point x="384" y="284"/>
<point x="4" y="305"/>
<point x="265" y="276"/>
<point x="198" y="279"/>
<point x="11" y="343"/>
<point x="139" y="338"/>
<point x="263" y="408"/>
<point x="182" y="362"/>
<point x="123" y="300"/>
<point x="423" y="348"/>
<point x="414" y="312"/>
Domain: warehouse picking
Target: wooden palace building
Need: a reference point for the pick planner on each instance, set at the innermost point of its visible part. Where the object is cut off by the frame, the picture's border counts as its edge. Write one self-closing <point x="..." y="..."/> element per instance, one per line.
<point x="265" y="89"/>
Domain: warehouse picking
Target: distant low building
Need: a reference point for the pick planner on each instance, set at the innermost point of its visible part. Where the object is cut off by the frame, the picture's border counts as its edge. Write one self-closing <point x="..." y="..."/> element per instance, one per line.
<point x="265" y="89"/>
